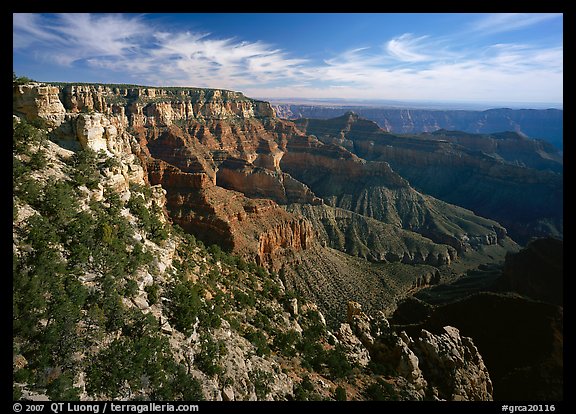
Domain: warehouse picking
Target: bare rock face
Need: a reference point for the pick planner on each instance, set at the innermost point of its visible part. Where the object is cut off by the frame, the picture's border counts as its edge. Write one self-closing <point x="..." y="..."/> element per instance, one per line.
<point x="448" y="364"/>
<point x="95" y="131"/>
<point x="373" y="189"/>
<point x="254" y="228"/>
<point x="292" y="233"/>
<point x="454" y="365"/>
<point x="85" y="98"/>
<point x="387" y="348"/>
<point x="38" y="101"/>
<point x="162" y="107"/>
<point x="254" y="182"/>
<point x="355" y="350"/>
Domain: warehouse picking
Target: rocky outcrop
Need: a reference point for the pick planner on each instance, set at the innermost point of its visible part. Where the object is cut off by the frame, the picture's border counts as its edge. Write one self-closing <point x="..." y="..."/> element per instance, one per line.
<point x="453" y="364"/>
<point x="356" y="352"/>
<point x="254" y="182"/>
<point x="246" y="371"/>
<point x="36" y="101"/>
<point x="446" y="366"/>
<point x="96" y="132"/>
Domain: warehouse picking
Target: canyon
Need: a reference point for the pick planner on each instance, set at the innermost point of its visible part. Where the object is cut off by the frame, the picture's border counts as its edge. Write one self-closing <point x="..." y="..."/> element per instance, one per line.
<point x="545" y="124"/>
<point x="349" y="217"/>
<point x="506" y="177"/>
<point x="230" y="167"/>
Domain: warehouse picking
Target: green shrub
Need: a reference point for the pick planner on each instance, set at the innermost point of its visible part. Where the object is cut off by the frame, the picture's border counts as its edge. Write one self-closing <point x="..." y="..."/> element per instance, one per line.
<point x="38" y="160"/>
<point x="59" y="202"/>
<point x="284" y="342"/>
<point x="380" y="391"/>
<point x="340" y="394"/>
<point x="29" y="191"/>
<point x="258" y="339"/>
<point x="16" y="393"/>
<point x="20" y="80"/>
<point x="262" y="381"/>
<point x="140" y="356"/>
<point x="62" y="388"/>
<point x="84" y="168"/>
<point x="209" y="356"/>
<point x="23" y="375"/>
<point x="184" y="306"/>
<point x="312" y="353"/>
<point x="337" y="362"/>
<point x="130" y="288"/>
<point x="153" y="293"/>
<point x="244" y="300"/>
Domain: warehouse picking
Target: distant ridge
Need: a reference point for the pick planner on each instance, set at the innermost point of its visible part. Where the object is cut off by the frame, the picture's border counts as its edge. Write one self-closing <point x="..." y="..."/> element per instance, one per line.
<point x="546" y="124"/>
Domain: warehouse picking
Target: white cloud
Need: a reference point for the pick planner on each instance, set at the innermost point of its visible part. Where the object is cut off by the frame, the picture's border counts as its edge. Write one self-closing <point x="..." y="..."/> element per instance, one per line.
<point x="28" y="30"/>
<point x="66" y="38"/>
<point x="408" y="66"/>
<point x="407" y="48"/>
<point x="504" y="22"/>
<point x="496" y="73"/>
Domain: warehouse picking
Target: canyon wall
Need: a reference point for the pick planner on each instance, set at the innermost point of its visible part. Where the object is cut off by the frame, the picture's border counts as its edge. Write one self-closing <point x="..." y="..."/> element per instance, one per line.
<point x="546" y="124"/>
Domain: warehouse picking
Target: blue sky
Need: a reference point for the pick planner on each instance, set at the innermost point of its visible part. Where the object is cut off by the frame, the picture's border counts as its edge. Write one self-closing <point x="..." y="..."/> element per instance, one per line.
<point x="499" y="58"/>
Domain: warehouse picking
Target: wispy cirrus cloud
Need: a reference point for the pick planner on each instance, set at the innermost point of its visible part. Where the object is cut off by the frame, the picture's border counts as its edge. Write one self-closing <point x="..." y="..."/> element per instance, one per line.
<point x="67" y="38"/>
<point x="504" y="22"/>
<point x="408" y="48"/>
<point x="407" y="65"/>
<point x="522" y="72"/>
<point x="121" y="43"/>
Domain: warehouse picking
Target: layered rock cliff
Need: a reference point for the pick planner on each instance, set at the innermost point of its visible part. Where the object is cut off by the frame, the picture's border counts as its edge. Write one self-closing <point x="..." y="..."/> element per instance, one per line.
<point x="477" y="172"/>
<point x="257" y="229"/>
<point x="373" y="189"/>
<point x="227" y="165"/>
<point x="362" y="236"/>
<point x="38" y="101"/>
<point x="126" y="306"/>
<point x="256" y="182"/>
<point x="545" y="124"/>
<point x="161" y="106"/>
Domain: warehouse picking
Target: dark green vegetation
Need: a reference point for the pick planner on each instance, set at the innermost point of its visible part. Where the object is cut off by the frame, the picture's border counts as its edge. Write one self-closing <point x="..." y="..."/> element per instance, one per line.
<point x="77" y="270"/>
<point x="59" y="322"/>
<point x="21" y="80"/>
